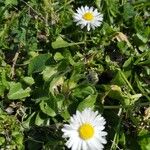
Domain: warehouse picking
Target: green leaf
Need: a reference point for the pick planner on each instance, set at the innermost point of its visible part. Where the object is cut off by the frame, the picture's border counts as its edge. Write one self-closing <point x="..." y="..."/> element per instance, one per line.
<point x="48" y="72"/>
<point x="141" y="37"/>
<point x="146" y="62"/>
<point x="3" y="79"/>
<point x="122" y="139"/>
<point x="11" y="2"/>
<point x="144" y="139"/>
<point x="3" y="82"/>
<point x="58" y="56"/>
<point x="38" y="63"/>
<point x="115" y="92"/>
<point x="65" y="114"/>
<point x="83" y="91"/>
<point x="60" y="43"/>
<point x="47" y="107"/>
<point x="19" y="140"/>
<point x="98" y="3"/>
<point x="123" y="47"/>
<point x="39" y="120"/>
<point x="2" y="140"/>
<point x="55" y="83"/>
<point x="17" y="92"/>
<point x="87" y="102"/>
<point x="29" y="121"/>
<point x="28" y="80"/>
<point x="128" y="62"/>
<point x="118" y="79"/>
<point x="138" y="23"/>
<point x="127" y="66"/>
<point x="134" y="98"/>
<point x="2" y="89"/>
<point x="128" y="11"/>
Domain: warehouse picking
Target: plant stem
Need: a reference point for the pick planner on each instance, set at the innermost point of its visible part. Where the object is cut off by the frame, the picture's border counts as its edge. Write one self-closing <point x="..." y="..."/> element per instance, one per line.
<point x="128" y="83"/>
<point x="14" y="64"/>
<point x="114" y="142"/>
<point x="118" y="107"/>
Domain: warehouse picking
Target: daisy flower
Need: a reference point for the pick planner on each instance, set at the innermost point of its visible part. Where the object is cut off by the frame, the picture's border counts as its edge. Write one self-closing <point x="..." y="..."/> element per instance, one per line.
<point x="85" y="131"/>
<point x="88" y="16"/>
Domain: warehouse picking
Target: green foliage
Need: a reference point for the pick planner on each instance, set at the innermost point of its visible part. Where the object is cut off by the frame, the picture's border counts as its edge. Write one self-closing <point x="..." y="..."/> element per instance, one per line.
<point x="17" y="92"/>
<point x="11" y="132"/>
<point x="38" y="63"/>
<point x="144" y="139"/>
<point x="49" y="68"/>
<point x="46" y="107"/>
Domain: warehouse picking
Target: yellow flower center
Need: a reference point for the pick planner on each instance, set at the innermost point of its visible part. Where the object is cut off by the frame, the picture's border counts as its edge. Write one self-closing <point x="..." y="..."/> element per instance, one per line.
<point x="88" y="16"/>
<point x="86" y="131"/>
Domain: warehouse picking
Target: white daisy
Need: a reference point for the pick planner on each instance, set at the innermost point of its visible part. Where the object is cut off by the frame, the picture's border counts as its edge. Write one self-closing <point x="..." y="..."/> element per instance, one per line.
<point x="88" y="16"/>
<point x="85" y="131"/>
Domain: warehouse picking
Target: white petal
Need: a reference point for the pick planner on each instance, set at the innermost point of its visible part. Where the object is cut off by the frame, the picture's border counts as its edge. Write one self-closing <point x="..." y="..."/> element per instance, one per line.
<point x="75" y="145"/>
<point x="69" y="143"/>
<point x="96" y="144"/>
<point x="79" y="11"/>
<point x="91" y="9"/>
<point x="82" y="9"/>
<point x="86" y="8"/>
<point x="88" y="27"/>
<point x="84" y="146"/>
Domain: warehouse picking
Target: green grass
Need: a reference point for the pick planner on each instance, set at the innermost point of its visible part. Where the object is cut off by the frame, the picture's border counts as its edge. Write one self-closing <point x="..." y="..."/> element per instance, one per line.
<point x="50" y="68"/>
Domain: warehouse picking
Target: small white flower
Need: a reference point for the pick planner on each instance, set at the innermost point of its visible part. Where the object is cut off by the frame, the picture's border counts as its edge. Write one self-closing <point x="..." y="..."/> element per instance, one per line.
<point x="88" y="16"/>
<point x="85" y="131"/>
